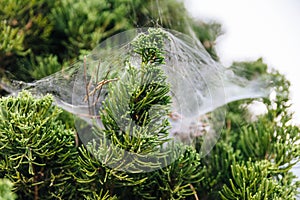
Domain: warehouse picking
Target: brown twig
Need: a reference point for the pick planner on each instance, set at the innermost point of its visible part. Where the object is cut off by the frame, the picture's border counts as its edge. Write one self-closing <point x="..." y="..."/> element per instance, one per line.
<point x="35" y="180"/>
<point x="36" y="188"/>
<point x="99" y="91"/>
<point x="85" y="80"/>
<point x="98" y="87"/>
<point x="194" y="191"/>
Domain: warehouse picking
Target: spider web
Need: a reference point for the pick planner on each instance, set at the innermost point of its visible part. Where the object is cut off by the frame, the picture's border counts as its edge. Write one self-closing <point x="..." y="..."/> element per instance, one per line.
<point x="200" y="88"/>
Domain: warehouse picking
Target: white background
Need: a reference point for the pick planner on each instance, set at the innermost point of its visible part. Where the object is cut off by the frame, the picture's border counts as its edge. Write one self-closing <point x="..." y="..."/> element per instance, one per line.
<point x="258" y="28"/>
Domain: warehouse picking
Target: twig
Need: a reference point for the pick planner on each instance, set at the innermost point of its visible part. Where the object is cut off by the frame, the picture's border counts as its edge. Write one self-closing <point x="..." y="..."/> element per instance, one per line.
<point x="194" y="191"/>
<point x="99" y="91"/>
<point x="76" y="139"/>
<point x="98" y="87"/>
<point x="35" y="179"/>
<point x="36" y="189"/>
<point x="97" y="76"/>
<point x="85" y="81"/>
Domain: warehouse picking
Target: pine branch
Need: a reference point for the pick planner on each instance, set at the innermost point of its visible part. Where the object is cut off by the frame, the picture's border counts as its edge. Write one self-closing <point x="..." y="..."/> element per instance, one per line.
<point x="37" y="153"/>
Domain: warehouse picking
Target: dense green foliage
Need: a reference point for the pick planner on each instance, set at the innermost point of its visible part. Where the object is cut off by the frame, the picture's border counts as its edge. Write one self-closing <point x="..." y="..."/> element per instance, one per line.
<point x="39" y="149"/>
<point x="5" y="190"/>
<point x="39" y="37"/>
<point x="37" y="153"/>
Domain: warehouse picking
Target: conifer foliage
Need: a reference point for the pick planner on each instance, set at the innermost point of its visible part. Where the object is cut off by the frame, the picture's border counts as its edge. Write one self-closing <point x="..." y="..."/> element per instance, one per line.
<point x="42" y="157"/>
<point x="5" y="190"/>
<point x="37" y="153"/>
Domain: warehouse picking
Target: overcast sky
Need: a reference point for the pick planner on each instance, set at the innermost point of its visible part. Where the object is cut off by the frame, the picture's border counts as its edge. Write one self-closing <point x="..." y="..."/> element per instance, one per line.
<point x="257" y="28"/>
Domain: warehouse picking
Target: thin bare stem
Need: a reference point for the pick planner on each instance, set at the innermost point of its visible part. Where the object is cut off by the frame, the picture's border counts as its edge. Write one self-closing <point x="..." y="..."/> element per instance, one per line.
<point x="194" y="191"/>
<point x="97" y="73"/>
<point x="99" y="91"/>
<point x="98" y="87"/>
<point x="85" y="82"/>
<point x="36" y="189"/>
